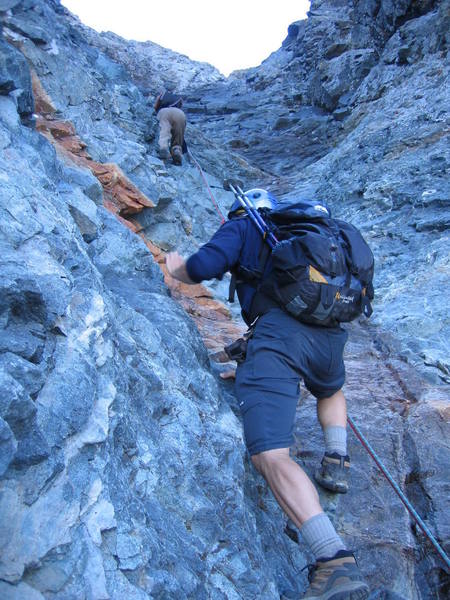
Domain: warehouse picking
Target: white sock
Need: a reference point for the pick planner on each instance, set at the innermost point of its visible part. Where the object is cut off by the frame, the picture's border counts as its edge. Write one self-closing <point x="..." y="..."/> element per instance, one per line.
<point x="320" y="535"/>
<point x="336" y="440"/>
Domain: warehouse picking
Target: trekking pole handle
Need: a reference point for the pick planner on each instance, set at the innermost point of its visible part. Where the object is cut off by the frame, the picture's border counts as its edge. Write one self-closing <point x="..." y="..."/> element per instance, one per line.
<point x="250" y="210"/>
<point x="255" y="216"/>
<point x="241" y="197"/>
<point x="269" y="236"/>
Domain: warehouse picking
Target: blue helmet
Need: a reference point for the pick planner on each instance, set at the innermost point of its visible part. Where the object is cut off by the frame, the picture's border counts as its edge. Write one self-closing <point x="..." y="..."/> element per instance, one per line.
<point x="258" y="197"/>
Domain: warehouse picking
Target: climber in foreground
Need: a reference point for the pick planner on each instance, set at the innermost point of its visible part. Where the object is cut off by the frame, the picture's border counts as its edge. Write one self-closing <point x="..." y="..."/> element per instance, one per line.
<point x="172" y="125"/>
<point x="281" y="351"/>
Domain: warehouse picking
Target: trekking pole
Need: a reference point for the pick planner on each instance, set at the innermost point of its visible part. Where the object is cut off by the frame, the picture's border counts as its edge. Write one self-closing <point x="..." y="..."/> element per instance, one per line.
<point x="253" y="213"/>
<point x="269" y="237"/>
<point x="399" y="493"/>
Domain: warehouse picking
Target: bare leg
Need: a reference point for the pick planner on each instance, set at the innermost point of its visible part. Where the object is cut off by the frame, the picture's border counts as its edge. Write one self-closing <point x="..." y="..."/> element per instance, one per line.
<point x="290" y="485"/>
<point x="178" y="120"/>
<point x="165" y="131"/>
<point x="334" y="469"/>
<point x="332" y="411"/>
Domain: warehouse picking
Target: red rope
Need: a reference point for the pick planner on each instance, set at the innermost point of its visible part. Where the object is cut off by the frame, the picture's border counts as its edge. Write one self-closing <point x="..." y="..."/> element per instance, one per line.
<point x="399" y="493"/>
<point x="208" y="188"/>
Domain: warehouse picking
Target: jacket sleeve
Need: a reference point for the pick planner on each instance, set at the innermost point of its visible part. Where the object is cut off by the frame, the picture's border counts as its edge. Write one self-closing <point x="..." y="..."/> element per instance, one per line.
<point x="220" y="254"/>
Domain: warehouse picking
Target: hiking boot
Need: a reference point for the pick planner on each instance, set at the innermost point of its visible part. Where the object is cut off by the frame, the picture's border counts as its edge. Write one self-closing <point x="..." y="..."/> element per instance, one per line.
<point x="333" y="473"/>
<point x="336" y="578"/>
<point x="177" y="155"/>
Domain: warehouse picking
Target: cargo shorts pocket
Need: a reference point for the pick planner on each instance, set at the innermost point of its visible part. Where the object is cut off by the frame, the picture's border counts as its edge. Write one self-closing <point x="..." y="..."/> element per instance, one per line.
<point x="270" y="359"/>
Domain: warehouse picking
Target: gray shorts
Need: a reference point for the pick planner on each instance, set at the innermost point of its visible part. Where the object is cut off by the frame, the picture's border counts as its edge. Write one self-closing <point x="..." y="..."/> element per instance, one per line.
<point x="280" y="354"/>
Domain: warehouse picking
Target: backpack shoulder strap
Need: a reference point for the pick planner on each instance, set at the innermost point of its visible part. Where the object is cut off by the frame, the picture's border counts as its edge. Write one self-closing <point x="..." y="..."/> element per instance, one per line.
<point x="232" y="288"/>
<point x="262" y="303"/>
<point x="252" y="277"/>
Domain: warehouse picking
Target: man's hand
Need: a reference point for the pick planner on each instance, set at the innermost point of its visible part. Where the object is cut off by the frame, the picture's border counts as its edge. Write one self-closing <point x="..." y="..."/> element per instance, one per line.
<point x="231" y="374"/>
<point x="176" y="265"/>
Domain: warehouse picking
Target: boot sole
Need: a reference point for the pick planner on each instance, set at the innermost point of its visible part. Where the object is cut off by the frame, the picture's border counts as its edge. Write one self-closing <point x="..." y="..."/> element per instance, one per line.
<point x="357" y="591"/>
<point x="332" y="487"/>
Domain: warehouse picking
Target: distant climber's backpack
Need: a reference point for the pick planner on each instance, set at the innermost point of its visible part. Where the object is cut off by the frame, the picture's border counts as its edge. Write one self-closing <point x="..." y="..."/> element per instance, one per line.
<point x="169" y="99"/>
<point x="322" y="269"/>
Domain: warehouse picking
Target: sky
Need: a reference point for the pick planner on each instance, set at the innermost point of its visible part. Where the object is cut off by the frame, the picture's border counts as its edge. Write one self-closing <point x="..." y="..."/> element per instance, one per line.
<point x="229" y="34"/>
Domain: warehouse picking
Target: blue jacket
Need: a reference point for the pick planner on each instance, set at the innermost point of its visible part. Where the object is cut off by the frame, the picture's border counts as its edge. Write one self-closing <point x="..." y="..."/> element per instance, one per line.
<point x="236" y="244"/>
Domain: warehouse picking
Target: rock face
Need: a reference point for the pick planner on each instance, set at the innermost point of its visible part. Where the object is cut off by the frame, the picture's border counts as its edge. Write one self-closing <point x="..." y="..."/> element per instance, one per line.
<point x="123" y="472"/>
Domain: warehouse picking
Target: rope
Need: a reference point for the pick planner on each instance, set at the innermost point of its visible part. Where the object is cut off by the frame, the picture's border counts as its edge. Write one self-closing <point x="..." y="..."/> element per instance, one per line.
<point x="398" y="491"/>
<point x="207" y="186"/>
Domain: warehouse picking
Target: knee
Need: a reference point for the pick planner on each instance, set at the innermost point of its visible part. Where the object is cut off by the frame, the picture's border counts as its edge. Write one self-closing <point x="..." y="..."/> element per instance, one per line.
<point x="267" y="461"/>
<point x="257" y="462"/>
<point x="336" y="397"/>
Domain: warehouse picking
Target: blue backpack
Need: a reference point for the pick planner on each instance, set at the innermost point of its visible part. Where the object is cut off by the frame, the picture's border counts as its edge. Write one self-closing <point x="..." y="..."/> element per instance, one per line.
<point x="321" y="270"/>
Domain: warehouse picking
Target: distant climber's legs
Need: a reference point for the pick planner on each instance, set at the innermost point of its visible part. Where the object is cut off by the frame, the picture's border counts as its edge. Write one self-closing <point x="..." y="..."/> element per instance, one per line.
<point x="178" y="120"/>
<point x="165" y="132"/>
<point x="172" y="123"/>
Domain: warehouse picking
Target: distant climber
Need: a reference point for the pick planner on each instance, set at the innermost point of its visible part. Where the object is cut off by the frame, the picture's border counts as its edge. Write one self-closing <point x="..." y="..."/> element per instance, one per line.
<point x="172" y="124"/>
<point x="281" y="351"/>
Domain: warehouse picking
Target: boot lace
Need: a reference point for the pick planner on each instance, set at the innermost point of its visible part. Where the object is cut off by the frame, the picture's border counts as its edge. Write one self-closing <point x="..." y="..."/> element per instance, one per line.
<point x="312" y="568"/>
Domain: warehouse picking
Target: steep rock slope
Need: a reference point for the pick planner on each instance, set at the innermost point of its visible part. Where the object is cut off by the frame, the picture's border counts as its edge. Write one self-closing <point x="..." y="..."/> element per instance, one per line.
<point x="99" y="366"/>
<point x="123" y="467"/>
<point x="354" y="108"/>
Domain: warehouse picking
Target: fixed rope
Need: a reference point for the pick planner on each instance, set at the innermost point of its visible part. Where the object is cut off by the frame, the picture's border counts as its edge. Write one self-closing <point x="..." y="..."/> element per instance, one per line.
<point x="216" y="206"/>
<point x="399" y="492"/>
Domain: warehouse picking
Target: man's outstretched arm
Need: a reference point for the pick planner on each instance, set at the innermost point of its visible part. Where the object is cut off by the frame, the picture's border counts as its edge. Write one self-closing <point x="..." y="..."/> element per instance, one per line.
<point x="213" y="259"/>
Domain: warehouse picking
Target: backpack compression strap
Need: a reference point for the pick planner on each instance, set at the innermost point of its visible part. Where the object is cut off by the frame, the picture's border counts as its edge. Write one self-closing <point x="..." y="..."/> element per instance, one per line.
<point x="243" y="275"/>
<point x="260" y="303"/>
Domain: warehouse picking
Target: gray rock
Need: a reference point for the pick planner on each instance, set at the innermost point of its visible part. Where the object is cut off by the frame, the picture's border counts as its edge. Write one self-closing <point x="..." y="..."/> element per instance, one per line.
<point x="15" y="78"/>
<point x="29" y="30"/>
<point x="8" y="446"/>
<point x="6" y="5"/>
<point x="84" y="213"/>
<point x="83" y="178"/>
<point x="9" y="114"/>
<point x="18" y="592"/>
<point x="340" y="75"/>
<point x="123" y="471"/>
